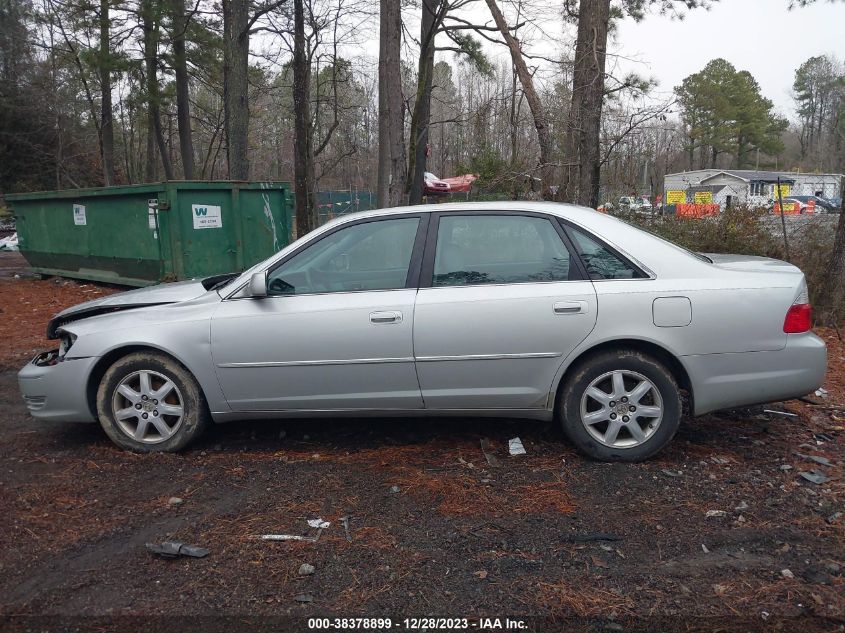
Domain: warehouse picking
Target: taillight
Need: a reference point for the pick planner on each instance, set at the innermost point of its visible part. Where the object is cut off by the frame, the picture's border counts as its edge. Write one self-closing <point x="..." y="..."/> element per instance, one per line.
<point x="798" y="319"/>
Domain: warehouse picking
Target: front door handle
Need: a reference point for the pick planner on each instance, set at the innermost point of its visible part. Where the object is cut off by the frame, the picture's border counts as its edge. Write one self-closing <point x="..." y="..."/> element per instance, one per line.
<point x="385" y="317"/>
<point x="570" y="307"/>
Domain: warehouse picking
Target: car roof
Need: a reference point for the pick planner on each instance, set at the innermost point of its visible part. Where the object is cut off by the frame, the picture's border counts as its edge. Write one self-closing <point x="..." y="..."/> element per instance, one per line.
<point x="570" y="211"/>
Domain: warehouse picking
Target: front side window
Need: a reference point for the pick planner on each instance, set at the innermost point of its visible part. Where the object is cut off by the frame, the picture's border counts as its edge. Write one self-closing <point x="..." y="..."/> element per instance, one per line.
<point x="601" y="262"/>
<point x="499" y="249"/>
<point x="369" y="256"/>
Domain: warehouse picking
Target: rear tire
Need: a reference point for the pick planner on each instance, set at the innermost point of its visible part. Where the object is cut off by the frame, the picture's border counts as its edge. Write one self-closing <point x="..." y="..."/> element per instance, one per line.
<point x="147" y="402"/>
<point x="620" y="405"/>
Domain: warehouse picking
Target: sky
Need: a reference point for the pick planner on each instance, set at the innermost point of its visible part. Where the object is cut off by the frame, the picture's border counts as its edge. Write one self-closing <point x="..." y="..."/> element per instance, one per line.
<point x="761" y="36"/>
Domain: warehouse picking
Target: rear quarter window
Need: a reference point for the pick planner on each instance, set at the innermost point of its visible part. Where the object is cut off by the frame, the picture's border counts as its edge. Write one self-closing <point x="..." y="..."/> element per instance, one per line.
<point x="602" y="262"/>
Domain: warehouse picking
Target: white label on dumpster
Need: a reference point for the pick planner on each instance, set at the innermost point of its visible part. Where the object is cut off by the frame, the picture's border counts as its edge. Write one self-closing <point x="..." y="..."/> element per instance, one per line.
<point x="79" y="215"/>
<point x="206" y="216"/>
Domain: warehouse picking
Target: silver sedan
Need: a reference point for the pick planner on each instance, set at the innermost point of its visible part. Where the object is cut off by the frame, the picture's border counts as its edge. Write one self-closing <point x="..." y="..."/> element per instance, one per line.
<point x="496" y="309"/>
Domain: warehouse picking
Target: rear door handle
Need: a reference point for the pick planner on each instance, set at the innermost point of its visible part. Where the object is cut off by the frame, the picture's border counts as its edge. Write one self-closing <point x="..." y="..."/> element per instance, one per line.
<point x="385" y="317"/>
<point x="570" y="307"/>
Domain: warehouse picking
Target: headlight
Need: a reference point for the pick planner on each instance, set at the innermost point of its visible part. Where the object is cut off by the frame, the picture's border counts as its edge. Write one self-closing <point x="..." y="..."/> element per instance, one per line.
<point x="66" y="339"/>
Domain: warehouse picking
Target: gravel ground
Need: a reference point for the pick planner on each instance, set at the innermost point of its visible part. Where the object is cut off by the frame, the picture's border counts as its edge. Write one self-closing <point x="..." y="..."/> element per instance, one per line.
<point x="720" y="532"/>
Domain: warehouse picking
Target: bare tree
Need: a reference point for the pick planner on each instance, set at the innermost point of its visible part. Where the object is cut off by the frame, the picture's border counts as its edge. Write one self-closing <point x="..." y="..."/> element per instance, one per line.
<point x="179" y="26"/>
<point x="150" y="23"/>
<point x="391" y="129"/>
<point x="527" y="81"/>
<point x="106" y="117"/>
<point x="236" y="86"/>
<point x="303" y="180"/>
<point x="581" y="143"/>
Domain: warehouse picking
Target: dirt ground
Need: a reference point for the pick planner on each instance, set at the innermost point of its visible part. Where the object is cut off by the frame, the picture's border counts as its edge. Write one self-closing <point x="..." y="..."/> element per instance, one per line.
<point x="433" y="528"/>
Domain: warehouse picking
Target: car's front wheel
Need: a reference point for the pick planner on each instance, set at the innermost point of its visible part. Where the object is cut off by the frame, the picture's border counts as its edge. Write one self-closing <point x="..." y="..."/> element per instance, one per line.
<point x="147" y="402"/>
<point x="620" y="405"/>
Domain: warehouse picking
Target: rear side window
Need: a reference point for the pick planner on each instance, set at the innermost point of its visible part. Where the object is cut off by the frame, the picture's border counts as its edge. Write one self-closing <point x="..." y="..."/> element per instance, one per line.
<point x="499" y="249"/>
<point x="601" y="262"/>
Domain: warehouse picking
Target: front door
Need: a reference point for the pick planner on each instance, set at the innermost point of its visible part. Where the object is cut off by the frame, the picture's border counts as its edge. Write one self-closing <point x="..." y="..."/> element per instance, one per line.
<point x="335" y="331"/>
<point x="505" y="303"/>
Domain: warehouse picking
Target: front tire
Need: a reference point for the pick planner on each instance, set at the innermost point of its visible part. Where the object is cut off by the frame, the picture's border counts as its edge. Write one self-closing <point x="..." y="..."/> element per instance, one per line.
<point x="147" y="402"/>
<point x="620" y="405"/>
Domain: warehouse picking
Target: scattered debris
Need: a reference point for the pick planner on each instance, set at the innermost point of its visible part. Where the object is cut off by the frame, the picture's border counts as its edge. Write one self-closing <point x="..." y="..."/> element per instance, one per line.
<point x="704" y="549"/>
<point x="716" y="513"/>
<point x="515" y="446"/>
<point x="314" y="523"/>
<point x="175" y="501"/>
<point x="304" y="597"/>
<point x="720" y="460"/>
<point x="9" y="243"/>
<point x="786" y="573"/>
<point x="482" y="574"/>
<point x="305" y="569"/>
<point x="785" y="414"/>
<point x="287" y="537"/>
<point x="824" y="461"/>
<point x="821" y="392"/>
<point x="814" y="477"/>
<point x="395" y="490"/>
<point x="833" y="518"/>
<point x="785" y="467"/>
<point x="720" y="590"/>
<point x="598" y="562"/>
<point x="741" y="506"/>
<point x="344" y="521"/>
<point x="491" y="458"/>
<point x="172" y="549"/>
<point x="672" y="473"/>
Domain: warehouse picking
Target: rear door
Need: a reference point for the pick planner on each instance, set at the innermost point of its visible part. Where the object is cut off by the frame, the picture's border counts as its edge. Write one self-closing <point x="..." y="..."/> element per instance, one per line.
<point x="502" y="301"/>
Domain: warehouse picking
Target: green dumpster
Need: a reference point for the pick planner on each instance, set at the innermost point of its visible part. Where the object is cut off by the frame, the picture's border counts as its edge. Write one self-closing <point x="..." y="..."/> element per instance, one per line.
<point x="143" y="234"/>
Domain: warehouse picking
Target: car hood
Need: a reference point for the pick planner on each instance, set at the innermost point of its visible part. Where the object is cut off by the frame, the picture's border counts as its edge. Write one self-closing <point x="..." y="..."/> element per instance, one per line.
<point x="140" y="298"/>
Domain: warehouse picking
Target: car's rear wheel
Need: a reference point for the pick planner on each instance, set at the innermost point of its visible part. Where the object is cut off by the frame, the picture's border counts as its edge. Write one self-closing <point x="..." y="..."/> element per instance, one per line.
<point x="620" y="405"/>
<point x="147" y="402"/>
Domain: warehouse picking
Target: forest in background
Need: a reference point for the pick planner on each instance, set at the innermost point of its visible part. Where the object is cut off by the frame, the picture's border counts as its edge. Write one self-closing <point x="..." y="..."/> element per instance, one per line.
<point x="97" y="92"/>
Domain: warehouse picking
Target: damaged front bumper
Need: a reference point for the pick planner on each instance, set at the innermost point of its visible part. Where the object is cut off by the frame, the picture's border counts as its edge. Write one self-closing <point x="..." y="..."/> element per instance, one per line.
<point x="57" y="390"/>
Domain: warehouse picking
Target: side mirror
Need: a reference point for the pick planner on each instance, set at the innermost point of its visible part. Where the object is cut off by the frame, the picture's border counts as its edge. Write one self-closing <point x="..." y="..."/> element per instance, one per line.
<point x="258" y="285"/>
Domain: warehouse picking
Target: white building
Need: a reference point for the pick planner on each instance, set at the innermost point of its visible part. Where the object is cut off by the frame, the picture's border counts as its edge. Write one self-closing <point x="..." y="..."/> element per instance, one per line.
<point x="728" y="187"/>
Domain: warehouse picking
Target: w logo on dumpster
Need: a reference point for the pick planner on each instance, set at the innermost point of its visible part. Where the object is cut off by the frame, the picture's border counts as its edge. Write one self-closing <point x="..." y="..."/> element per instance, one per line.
<point x="206" y="216"/>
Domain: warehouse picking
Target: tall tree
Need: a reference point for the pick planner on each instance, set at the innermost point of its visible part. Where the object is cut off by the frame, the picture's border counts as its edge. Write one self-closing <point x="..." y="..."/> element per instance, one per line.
<point x="150" y="18"/>
<point x="438" y="16"/>
<point x="526" y="79"/>
<point x="236" y="86"/>
<point x="104" y="62"/>
<point x="303" y="146"/>
<point x="583" y="130"/>
<point x="179" y="25"/>
<point x="724" y="113"/>
<point x="432" y="16"/>
<point x="391" y="117"/>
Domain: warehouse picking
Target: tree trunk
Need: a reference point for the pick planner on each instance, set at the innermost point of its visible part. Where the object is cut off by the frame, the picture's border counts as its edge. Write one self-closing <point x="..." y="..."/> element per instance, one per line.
<point x="421" y="117"/>
<point x="106" y="120"/>
<point x="183" y="105"/>
<point x="391" y="150"/>
<point x="583" y="134"/>
<point x="544" y="139"/>
<point x="150" y="28"/>
<point x="303" y="146"/>
<point x="236" y="86"/>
